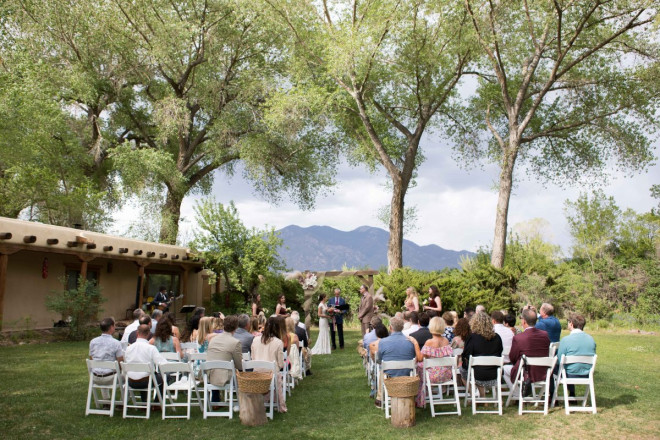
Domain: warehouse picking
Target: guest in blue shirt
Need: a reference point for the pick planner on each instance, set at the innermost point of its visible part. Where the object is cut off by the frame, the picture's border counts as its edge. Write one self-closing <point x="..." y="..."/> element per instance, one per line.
<point x="396" y="347"/>
<point x="577" y="343"/>
<point x="371" y="336"/>
<point x="548" y="322"/>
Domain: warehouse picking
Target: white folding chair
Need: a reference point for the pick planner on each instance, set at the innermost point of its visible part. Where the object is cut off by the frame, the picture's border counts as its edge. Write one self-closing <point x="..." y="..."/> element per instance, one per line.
<point x="434" y="391"/>
<point x="152" y="385"/>
<point x="303" y="366"/>
<point x="285" y="377"/>
<point x="171" y="356"/>
<point x="552" y="350"/>
<point x="473" y="395"/>
<point x="185" y="383"/>
<point x="227" y="389"/>
<point x="544" y="396"/>
<point x="588" y="382"/>
<point x="96" y="391"/>
<point x="266" y="366"/>
<point x="395" y="365"/>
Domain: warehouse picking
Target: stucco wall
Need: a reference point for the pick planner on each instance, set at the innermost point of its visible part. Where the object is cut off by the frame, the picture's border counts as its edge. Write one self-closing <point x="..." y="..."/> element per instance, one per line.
<point x="26" y="289"/>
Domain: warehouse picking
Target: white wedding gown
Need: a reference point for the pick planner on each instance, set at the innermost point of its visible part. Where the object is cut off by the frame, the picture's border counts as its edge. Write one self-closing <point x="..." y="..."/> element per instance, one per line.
<point x="322" y="345"/>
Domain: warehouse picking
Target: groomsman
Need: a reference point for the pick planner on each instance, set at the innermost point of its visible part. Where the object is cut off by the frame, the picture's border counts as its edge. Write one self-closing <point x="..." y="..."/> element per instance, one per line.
<point x="337" y="319"/>
<point x="366" y="310"/>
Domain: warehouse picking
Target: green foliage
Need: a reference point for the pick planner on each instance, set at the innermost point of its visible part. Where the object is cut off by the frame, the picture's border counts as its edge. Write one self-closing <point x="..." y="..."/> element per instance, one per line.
<point x="593" y="223"/>
<point x="78" y="307"/>
<point x="230" y="249"/>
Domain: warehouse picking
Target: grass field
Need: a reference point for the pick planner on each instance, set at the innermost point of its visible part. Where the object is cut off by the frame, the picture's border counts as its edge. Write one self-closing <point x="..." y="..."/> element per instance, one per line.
<point x="43" y="390"/>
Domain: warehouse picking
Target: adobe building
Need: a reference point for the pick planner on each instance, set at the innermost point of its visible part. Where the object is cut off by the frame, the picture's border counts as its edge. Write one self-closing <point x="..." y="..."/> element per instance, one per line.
<point x="35" y="260"/>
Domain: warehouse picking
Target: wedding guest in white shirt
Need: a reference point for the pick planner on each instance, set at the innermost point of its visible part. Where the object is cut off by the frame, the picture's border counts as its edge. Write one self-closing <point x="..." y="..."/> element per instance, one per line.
<point x="141" y="352"/>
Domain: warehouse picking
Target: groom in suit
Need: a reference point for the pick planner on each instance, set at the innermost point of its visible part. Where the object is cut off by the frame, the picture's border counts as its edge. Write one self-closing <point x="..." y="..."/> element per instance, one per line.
<point x="337" y="319"/>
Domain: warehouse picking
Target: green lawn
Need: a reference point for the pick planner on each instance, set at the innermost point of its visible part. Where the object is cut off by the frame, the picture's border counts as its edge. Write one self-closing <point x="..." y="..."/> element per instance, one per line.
<point x="43" y="390"/>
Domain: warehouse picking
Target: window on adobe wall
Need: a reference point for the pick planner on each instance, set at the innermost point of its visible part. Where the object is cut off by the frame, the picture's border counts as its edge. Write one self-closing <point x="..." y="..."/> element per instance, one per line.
<point x="72" y="274"/>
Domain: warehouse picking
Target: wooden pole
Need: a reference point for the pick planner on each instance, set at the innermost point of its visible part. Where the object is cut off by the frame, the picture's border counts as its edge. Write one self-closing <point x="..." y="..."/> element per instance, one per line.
<point x="4" y="258"/>
<point x="252" y="410"/>
<point x="141" y="285"/>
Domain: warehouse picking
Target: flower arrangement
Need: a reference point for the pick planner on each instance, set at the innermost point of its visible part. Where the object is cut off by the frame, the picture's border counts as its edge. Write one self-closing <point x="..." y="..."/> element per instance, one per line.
<point x="309" y="281"/>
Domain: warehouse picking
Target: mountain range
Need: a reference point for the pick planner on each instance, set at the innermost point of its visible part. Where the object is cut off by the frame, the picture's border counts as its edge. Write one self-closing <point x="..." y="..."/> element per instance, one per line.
<point x="322" y="248"/>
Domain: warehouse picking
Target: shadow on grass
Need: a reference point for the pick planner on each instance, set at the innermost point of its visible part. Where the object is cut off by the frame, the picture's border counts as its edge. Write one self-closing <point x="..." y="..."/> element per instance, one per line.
<point x="620" y="400"/>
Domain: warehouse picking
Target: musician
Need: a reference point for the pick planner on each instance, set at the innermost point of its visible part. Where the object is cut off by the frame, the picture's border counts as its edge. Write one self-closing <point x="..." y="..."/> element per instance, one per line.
<point x="161" y="298"/>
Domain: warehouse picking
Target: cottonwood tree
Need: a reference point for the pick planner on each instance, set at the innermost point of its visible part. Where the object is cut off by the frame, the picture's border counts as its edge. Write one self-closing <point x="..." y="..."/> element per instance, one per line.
<point x="204" y="74"/>
<point x="384" y="72"/>
<point x="59" y="74"/>
<point x="567" y="88"/>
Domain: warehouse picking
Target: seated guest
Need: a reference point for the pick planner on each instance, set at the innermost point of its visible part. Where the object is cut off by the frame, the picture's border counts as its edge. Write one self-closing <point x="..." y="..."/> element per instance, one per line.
<point x="105" y="348"/>
<point x="532" y="342"/>
<point x="510" y="323"/>
<point x="175" y="329"/>
<point x="242" y="333"/>
<point x="461" y="333"/>
<point x="423" y="334"/>
<point x="254" y="326"/>
<point x="164" y="340"/>
<point x="479" y="309"/>
<point x="144" y="319"/>
<point x="269" y="347"/>
<point x="548" y="322"/>
<point x="294" y="349"/>
<point x="505" y="334"/>
<point x="224" y="347"/>
<point x="155" y="317"/>
<point x="204" y="333"/>
<point x="290" y="327"/>
<point x="406" y="320"/>
<point x="218" y="324"/>
<point x="381" y="332"/>
<point x="468" y="313"/>
<point x="141" y="352"/>
<point x="449" y="328"/>
<point x="414" y="324"/>
<point x="577" y="343"/>
<point x="301" y="332"/>
<point x="371" y="335"/>
<point x="395" y="347"/>
<point x="436" y="347"/>
<point x="132" y="326"/>
<point x="190" y="335"/>
<point x="483" y="341"/>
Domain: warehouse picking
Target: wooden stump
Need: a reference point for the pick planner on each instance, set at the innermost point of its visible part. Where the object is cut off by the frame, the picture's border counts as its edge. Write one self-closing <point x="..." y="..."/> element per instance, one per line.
<point x="252" y="409"/>
<point x="403" y="412"/>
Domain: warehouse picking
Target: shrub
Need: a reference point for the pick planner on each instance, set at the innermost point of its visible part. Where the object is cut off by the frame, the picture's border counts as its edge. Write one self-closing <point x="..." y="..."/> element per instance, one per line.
<point x="79" y="306"/>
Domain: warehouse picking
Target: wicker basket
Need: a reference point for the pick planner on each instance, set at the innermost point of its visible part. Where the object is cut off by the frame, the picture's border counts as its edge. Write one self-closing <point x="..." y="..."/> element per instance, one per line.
<point x="253" y="381"/>
<point x="403" y="386"/>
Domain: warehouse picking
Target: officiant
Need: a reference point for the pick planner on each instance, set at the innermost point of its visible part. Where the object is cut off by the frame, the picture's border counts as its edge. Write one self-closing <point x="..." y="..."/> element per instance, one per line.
<point x="338" y="304"/>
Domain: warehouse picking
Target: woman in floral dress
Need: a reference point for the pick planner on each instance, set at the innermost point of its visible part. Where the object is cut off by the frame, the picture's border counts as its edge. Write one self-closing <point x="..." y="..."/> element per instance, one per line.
<point x="436" y="347"/>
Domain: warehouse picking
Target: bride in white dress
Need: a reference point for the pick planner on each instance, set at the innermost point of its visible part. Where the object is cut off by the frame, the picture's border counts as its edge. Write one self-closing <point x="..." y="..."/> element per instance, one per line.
<point x="322" y="345"/>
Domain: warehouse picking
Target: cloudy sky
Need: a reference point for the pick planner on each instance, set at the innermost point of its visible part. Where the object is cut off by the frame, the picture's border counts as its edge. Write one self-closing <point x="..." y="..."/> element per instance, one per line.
<point x="455" y="207"/>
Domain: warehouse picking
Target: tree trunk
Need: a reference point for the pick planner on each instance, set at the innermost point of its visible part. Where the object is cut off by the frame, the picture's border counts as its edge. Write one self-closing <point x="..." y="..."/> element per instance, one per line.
<point x="395" y="243"/>
<point x="170" y="216"/>
<point x="501" y="216"/>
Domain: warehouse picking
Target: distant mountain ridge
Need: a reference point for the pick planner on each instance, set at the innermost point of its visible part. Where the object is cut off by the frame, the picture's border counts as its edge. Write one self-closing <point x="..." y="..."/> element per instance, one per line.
<point x="325" y="248"/>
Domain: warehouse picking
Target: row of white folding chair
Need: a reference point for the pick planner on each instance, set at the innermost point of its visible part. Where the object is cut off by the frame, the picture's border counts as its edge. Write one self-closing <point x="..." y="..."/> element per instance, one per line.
<point x="471" y="392"/>
<point x="129" y="391"/>
<point x="95" y="391"/>
<point x="434" y="391"/>
<point x="394" y="365"/>
<point x="544" y="395"/>
<point x="563" y="380"/>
